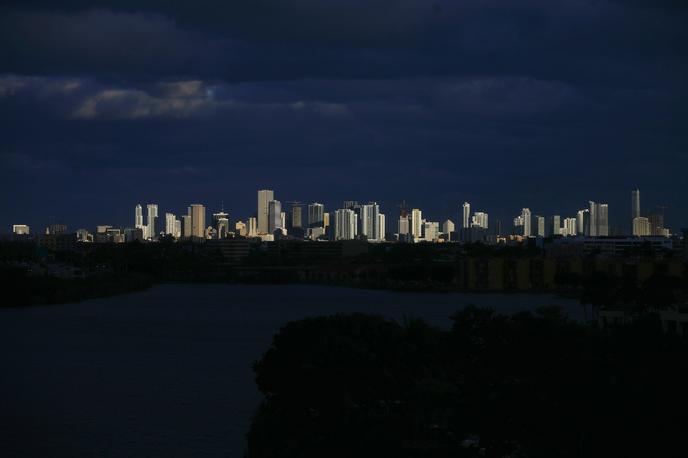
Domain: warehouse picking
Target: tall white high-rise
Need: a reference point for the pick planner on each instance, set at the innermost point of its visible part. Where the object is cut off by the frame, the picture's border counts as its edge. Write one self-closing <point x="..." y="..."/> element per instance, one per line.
<point x="641" y="226"/>
<point x="539" y="225"/>
<point x="177" y="229"/>
<point x="369" y="221"/>
<point x="599" y="219"/>
<point x="150" y="221"/>
<point x="197" y="214"/>
<point x="264" y="197"/>
<point x="466" y="215"/>
<point x="170" y="224"/>
<point x="274" y="216"/>
<point x="416" y="224"/>
<point x="431" y="230"/>
<point x="581" y="218"/>
<point x="570" y="227"/>
<point x="525" y="215"/>
<point x="403" y="228"/>
<point x="381" y="236"/>
<point x="479" y="219"/>
<point x="448" y="227"/>
<point x="138" y="217"/>
<point x="345" y="224"/>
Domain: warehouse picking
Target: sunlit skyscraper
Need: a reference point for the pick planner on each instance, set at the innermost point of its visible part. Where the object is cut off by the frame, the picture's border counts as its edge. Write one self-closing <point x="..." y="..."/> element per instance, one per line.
<point x="170" y="224"/>
<point x="197" y="214"/>
<point x="635" y="203"/>
<point x="274" y="216"/>
<point x="525" y="216"/>
<point x="150" y="221"/>
<point x="416" y="224"/>
<point x="381" y="227"/>
<point x="264" y="197"/>
<point x="369" y="221"/>
<point x="466" y="221"/>
<point x="345" y="224"/>
<point x="138" y="217"/>
<point x="316" y="215"/>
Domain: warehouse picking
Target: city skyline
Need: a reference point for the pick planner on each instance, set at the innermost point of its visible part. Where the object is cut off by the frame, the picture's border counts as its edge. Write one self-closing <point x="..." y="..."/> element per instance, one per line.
<point x="368" y="220"/>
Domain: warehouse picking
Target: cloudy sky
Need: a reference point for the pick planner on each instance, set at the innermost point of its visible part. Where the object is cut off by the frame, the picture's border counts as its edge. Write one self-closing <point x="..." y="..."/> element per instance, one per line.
<point x="507" y="104"/>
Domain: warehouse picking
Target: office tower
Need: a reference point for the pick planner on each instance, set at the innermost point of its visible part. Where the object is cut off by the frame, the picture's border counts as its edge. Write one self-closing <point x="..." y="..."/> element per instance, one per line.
<point x="416" y="224"/>
<point x="539" y="228"/>
<point x="635" y="204"/>
<point x="170" y="224"/>
<point x="603" y="220"/>
<point x="20" y="229"/>
<point x="274" y="216"/>
<point x="151" y="216"/>
<point x="431" y="230"/>
<point x="346" y="224"/>
<point x="381" y="236"/>
<point x="197" y="214"/>
<point x="283" y="220"/>
<point x="525" y="216"/>
<point x="186" y="226"/>
<point x="177" y="228"/>
<point x="466" y="215"/>
<point x="641" y="226"/>
<point x="553" y="226"/>
<point x="252" y="227"/>
<point x="316" y="215"/>
<point x="326" y="220"/>
<point x="592" y="222"/>
<point x="582" y="221"/>
<point x="369" y="221"/>
<point x="403" y="225"/>
<point x="479" y="219"/>
<point x="138" y="216"/>
<point x="448" y="227"/>
<point x="570" y="227"/>
<point x="296" y="218"/>
<point x="264" y="197"/>
<point x="240" y="228"/>
<point x="221" y="224"/>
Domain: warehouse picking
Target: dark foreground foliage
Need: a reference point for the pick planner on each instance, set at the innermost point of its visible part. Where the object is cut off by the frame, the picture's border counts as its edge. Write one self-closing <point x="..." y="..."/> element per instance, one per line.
<point x="531" y="385"/>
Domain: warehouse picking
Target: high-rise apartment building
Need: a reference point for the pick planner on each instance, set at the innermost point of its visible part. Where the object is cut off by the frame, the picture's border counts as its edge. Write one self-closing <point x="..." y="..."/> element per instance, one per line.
<point x="598" y="224"/>
<point x="240" y="228"/>
<point x="381" y="236"/>
<point x="170" y="224"/>
<point x="221" y="224"/>
<point x="525" y="216"/>
<point x="264" y="197"/>
<point x="138" y="217"/>
<point x="345" y="224"/>
<point x="150" y="221"/>
<point x="369" y="221"/>
<point x="431" y="230"/>
<point x="186" y="226"/>
<point x="252" y="228"/>
<point x="641" y="226"/>
<point x="197" y="214"/>
<point x="274" y="216"/>
<point x="479" y="219"/>
<point x="539" y="226"/>
<point x="316" y="215"/>
<point x="570" y="227"/>
<point x="466" y="217"/>
<point x="403" y="226"/>
<point x="448" y="227"/>
<point x="553" y="225"/>
<point x="656" y="221"/>
<point x="416" y="224"/>
<point x="582" y="221"/>
<point x="297" y="217"/>
<point x="635" y="204"/>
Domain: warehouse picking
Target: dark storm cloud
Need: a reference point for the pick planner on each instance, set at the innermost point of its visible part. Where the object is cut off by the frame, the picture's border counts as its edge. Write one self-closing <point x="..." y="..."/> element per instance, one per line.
<point x="508" y="104"/>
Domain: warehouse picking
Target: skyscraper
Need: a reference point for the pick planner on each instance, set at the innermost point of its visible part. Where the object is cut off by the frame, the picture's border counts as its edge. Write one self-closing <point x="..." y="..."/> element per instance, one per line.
<point x="170" y="224"/>
<point x="150" y="221"/>
<point x="466" y="215"/>
<point x="296" y="217"/>
<point x="431" y="230"/>
<point x="197" y="214"/>
<point x="582" y="221"/>
<point x="553" y="225"/>
<point x="641" y="226"/>
<point x="138" y="217"/>
<point x="656" y="221"/>
<point x="448" y="227"/>
<point x="316" y="215"/>
<point x="635" y="204"/>
<point x="186" y="225"/>
<point x="403" y="225"/>
<point x="264" y="197"/>
<point x="570" y="227"/>
<point x="598" y="224"/>
<point x="479" y="219"/>
<point x="416" y="224"/>
<point x="274" y="216"/>
<point x="345" y="224"/>
<point x="381" y="236"/>
<point x="221" y="224"/>
<point x="369" y="221"/>
<point x="252" y="228"/>
<point x="539" y="226"/>
<point x="525" y="216"/>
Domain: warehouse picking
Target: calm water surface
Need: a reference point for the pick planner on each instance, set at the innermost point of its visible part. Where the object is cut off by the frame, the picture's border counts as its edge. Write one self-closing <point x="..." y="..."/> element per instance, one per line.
<point x="168" y="372"/>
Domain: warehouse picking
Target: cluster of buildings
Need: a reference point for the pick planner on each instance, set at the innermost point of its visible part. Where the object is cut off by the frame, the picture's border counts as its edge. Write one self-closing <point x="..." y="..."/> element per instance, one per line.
<point x="356" y="221"/>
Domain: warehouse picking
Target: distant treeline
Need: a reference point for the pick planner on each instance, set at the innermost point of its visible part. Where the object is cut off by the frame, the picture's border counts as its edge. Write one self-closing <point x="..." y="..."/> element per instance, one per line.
<point x="526" y="385"/>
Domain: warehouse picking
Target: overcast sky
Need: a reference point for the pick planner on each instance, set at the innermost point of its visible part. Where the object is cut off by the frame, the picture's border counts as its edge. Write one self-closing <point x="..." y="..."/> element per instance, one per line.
<point x="507" y="104"/>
